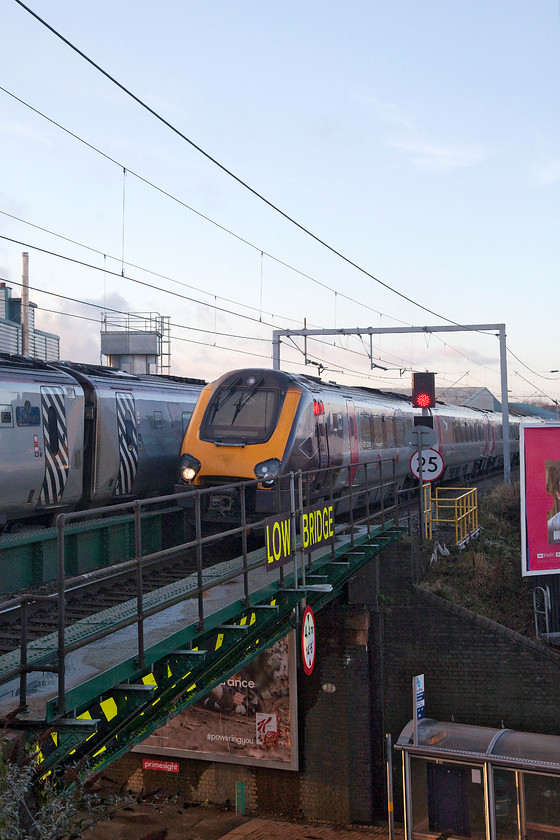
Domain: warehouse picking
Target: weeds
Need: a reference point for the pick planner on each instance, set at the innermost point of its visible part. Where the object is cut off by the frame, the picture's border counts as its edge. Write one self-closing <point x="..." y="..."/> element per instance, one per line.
<point x="486" y="575"/>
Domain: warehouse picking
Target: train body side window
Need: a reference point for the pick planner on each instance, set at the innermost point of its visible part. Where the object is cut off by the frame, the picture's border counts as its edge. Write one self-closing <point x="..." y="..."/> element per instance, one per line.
<point x="365" y="431"/>
<point x="398" y="425"/>
<point x="378" y="436"/>
<point x="6" y="417"/>
<point x="457" y="431"/>
<point x="446" y="430"/>
<point x="52" y="427"/>
<point x="28" y="415"/>
<point x="389" y="433"/>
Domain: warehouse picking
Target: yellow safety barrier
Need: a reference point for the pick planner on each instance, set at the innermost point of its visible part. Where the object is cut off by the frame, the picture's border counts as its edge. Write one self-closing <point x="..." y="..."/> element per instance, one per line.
<point x="427" y="518"/>
<point x="454" y="507"/>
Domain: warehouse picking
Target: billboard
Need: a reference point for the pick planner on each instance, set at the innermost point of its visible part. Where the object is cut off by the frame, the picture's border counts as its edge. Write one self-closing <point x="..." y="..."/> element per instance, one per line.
<point x="540" y="499"/>
<point x="249" y="718"/>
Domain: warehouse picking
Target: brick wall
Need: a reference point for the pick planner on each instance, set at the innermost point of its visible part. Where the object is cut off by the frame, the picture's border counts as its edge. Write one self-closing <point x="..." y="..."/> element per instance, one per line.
<point x="476" y="671"/>
<point x="334" y="728"/>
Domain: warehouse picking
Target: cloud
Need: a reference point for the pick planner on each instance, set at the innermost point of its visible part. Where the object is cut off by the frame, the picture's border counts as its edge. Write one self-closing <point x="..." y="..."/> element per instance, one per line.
<point x="435" y="156"/>
<point x="425" y="153"/>
<point x="545" y="170"/>
<point x="79" y="325"/>
<point x="15" y="132"/>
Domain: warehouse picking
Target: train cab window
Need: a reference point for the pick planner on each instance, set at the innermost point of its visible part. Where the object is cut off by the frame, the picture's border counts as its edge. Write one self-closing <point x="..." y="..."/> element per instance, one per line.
<point x="242" y="411"/>
<point x="6" y="418"/>
<point x="365" y="431"/>
<point x="52" y="431"/>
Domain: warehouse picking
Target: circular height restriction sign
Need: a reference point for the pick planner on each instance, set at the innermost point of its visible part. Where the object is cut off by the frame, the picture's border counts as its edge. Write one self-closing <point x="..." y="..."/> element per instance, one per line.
<point x="308" y="646"/>
<point x="432" y="464"/>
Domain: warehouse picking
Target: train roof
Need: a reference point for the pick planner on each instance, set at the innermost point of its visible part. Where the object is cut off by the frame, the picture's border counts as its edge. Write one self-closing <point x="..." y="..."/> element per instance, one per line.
<point x="18" y="362"/>
<point x="391" y="400"/>
<point x="102" y="371"/>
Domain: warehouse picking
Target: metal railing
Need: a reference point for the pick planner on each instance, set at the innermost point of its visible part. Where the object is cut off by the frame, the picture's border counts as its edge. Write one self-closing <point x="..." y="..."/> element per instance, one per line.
<point x="455" y="507"/>
<point x="365" y="505"/>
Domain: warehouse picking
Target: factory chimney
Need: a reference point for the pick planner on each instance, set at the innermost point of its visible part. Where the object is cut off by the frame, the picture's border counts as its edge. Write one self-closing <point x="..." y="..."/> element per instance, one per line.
<point x="25" y="304"/>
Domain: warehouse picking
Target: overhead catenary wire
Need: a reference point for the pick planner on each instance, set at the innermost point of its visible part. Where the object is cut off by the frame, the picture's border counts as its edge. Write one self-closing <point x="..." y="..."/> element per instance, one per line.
<point x="239" y="180"/>
<point x="228" y="171"/>
<point x="125" y="171"/>
<point x="203" y="216"/>
<point x="141" y="282"/>
<point x="325" y="364"/>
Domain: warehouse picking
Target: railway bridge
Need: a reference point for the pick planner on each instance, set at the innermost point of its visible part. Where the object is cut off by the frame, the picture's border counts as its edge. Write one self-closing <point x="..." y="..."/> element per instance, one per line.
<point x="114" y="652"/>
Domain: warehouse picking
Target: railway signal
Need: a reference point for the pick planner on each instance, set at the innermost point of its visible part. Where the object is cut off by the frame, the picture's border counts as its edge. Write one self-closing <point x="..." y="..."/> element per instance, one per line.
<point x="423" y="390"/>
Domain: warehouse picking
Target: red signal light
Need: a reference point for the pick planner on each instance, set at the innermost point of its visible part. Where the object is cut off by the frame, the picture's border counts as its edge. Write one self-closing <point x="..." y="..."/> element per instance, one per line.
<point x="423" y="390"/>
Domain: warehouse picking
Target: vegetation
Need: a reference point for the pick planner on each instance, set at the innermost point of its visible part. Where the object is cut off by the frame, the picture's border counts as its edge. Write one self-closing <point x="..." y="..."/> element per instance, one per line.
<point x="486" y="575"/>
<point x="35" y="809"/>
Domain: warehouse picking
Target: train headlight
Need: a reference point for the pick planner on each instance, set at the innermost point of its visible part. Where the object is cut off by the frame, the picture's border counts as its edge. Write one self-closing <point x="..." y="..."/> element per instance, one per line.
<point x="267" y="471"/>
<point x="189" y="468"/>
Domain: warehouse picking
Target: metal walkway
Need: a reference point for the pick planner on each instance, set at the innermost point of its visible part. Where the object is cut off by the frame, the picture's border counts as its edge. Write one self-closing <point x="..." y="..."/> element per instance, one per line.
<point x="128" y="670"/>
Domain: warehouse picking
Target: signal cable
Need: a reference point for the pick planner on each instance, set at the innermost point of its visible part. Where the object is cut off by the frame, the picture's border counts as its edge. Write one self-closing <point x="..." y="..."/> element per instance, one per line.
<point x="198" y="213"/>
<point x="105" y="271"/>
<point x="227" y="171"/>
<point x="211" y="221"/>
<point x="149" y="285"/>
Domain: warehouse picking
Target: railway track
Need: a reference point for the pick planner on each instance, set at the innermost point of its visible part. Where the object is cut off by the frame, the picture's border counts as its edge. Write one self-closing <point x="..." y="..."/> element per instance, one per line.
<point x="109" y="590"/>
<point x="91" y="597"/>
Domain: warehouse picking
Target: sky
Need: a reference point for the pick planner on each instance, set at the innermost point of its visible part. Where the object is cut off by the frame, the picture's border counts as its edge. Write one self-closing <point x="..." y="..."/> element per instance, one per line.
<point x="413" y="150"/>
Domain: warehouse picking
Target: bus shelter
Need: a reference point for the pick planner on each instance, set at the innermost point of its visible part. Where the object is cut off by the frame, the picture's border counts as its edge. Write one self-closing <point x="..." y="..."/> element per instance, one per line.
<point x="474" y="781"/>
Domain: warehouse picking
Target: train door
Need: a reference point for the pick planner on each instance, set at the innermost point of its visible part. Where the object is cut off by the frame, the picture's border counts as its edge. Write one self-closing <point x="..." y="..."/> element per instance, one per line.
<point x="322" y="441"/>
<point x="353" y="437"/>
<point x="55" y="438"/>
<point x="128" y="443"/>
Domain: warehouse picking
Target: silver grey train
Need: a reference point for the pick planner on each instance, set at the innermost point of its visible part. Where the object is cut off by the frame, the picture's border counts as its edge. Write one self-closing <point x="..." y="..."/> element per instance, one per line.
<point x="76" y="436"/>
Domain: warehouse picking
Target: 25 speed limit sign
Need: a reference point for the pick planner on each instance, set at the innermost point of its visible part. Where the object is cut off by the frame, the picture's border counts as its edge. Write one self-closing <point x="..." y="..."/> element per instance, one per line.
<point x="432" y="464"/>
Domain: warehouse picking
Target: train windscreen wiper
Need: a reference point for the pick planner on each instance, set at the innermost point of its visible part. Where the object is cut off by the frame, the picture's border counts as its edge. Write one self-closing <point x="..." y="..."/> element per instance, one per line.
<point x="244" y="399"/>
<point x="222" y="398"/>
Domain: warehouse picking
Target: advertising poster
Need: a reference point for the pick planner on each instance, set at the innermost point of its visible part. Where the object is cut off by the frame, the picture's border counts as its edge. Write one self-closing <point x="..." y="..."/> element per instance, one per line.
<point x="540" y="499"/>
<point x="250" y="718"/>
